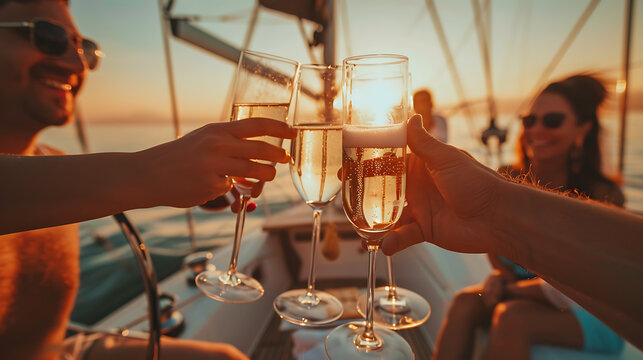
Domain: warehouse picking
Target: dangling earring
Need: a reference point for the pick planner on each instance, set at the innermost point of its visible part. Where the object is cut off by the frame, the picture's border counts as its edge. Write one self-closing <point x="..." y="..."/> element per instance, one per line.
<point x="576" y="155"/>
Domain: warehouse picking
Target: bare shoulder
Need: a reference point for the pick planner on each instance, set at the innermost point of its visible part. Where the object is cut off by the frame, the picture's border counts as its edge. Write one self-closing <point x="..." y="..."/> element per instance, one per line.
<point x="608" y="192"/>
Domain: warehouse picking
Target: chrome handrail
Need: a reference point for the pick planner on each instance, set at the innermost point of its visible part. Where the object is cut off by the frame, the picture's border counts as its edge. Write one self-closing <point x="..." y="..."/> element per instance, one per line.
<point x="144" y="261"/>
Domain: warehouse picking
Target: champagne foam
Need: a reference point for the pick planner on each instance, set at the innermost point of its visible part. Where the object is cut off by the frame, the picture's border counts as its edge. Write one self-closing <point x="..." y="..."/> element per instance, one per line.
<point x="355" y="136"/>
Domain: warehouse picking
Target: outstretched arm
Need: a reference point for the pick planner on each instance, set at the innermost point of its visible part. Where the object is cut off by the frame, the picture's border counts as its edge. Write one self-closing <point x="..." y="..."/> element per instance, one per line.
<point x="592" y="253"/>
<point x="43" y="191"/>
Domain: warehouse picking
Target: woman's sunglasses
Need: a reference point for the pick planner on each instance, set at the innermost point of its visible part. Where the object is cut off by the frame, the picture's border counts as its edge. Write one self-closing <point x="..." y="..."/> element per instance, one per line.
<point x="53" y="39"/>
<point x="550" y="120"/>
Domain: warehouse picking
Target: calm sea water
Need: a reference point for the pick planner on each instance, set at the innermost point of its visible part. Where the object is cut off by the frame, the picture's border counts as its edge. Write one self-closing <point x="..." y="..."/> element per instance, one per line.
<point x="110" y="275"/>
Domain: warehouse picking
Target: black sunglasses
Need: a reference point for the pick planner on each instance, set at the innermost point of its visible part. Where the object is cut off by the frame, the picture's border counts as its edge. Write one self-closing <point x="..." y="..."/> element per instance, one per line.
<point x="550" y="120"/>
<point x="53" y="39"/>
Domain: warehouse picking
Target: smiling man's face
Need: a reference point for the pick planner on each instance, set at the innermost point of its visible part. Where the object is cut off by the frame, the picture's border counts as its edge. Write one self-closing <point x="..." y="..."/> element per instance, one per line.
<point x="35" y="88"/>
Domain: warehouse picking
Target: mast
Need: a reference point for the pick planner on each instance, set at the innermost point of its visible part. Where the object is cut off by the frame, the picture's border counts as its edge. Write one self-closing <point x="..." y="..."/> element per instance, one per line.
<point x="629" y="10"/>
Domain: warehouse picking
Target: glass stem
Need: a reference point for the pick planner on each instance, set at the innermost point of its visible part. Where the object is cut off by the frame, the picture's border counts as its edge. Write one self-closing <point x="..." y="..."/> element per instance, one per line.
<point x="310" y="290"/>
<point x="392" y="293"/>
<point x="369" y="334"/>
<point x="238" y="233"/>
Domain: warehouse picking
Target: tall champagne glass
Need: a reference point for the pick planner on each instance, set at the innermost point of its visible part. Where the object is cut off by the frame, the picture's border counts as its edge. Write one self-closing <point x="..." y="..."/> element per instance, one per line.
<point x="316" y="157"/>
<point x="263" y="87"/>
<point x="373" y="185"/>
<point x="395" y="307"/>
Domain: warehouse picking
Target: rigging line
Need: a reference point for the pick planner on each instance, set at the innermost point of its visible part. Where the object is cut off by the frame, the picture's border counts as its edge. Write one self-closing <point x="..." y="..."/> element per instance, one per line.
<point x="214" y="18"/>
<point x="510" y="49"/>
<point x="486" y="61"/>
<point x="164" y="14"/>
<point x="346" y="28"/>
<point x="329" y="34"/>
<point x="457" y="82"/>
<point x="252" y="23"/>
<point x="169" y="69"/>
<point x="526" y="34"/>
<point x="309" y="49"/>
<point x="560" y="53"/>
<point x="251" y="26"/>
<point x="413" y="25"/>
<point x="633" y="65"/>
<point x="466" y="35"/>
<point x="629" y="11"/>
<point x="486" y="10"/>
<point x="81" y="133"/>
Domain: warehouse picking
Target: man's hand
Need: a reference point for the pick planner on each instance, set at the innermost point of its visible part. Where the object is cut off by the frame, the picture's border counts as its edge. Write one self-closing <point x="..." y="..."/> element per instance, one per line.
<point x="450" y="197"/>
<point x="196" y="168"/>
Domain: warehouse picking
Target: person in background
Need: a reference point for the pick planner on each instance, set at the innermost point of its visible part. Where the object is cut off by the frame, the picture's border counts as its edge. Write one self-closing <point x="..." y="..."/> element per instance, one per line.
<point x="435" y="124"/>
<point x="559" y="149"/>
<point x="43" y="63"/>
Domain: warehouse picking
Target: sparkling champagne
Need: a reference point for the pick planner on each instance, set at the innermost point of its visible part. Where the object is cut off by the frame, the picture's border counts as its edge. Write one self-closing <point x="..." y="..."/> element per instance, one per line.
<point x="272" y="111"/>
<point x="374" y="177"/>
<point x="316" y="159"/>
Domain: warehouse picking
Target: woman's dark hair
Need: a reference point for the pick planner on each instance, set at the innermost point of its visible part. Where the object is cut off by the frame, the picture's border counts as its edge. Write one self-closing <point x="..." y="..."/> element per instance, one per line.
<point x="585" y="94"/>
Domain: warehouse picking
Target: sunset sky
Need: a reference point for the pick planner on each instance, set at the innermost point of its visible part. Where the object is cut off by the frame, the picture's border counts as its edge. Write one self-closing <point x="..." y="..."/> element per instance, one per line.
<point x="131" y="83"/>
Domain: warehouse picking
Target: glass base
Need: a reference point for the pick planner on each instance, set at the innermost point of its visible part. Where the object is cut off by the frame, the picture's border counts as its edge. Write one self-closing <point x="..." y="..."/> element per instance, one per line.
<point x="344" y="342"/>
<point x="407" y="310"/>
<point x="236" y="288"/>
<point x="295" y="307"/>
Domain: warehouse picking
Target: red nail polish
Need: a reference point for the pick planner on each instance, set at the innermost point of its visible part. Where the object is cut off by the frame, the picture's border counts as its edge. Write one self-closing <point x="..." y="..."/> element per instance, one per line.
<point x="251" y="207"/>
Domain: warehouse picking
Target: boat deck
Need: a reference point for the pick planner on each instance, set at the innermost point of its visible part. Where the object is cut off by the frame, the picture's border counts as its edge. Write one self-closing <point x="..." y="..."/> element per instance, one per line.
<point x="278" y="343"/>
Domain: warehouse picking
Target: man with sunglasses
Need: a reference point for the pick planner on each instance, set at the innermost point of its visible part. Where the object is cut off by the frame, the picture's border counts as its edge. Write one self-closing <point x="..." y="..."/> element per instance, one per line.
<point x="43" y="63"/>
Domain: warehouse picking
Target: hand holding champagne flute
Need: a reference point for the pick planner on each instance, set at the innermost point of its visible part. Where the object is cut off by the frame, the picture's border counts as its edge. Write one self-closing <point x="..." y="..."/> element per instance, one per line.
<point x="373" y="185"/>
<point x="263" y="88"/>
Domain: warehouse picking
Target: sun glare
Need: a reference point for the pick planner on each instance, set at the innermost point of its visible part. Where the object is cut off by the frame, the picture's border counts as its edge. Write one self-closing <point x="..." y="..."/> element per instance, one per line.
<point x="621" y="85"/>
<point x="377" y="102"/>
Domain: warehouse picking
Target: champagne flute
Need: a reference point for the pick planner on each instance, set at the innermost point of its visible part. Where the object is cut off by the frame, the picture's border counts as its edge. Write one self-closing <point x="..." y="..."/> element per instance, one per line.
<point x="263" y="87"/>
<point x="316" y="158"/>
<point x="395" y="307"/>
<point x="373" y="185"/>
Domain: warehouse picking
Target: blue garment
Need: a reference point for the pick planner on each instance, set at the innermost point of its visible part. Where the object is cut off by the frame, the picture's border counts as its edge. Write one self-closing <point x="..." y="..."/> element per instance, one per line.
<point x="519" y="271"/>
<point x="598" y="337"/>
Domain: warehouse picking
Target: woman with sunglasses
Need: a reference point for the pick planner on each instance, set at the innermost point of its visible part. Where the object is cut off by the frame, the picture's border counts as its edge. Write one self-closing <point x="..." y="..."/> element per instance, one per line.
<point x="558" y="149"/>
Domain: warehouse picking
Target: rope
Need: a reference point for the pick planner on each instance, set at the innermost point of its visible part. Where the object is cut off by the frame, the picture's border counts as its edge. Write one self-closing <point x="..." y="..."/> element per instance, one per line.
<point x="483" y="37"/>
<point x="164" y="12"/>
<point x="560" y="53"/>
<point x="346" y="28"/>
<point x="439" y="30"/>
<point x="309" y="48"/>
